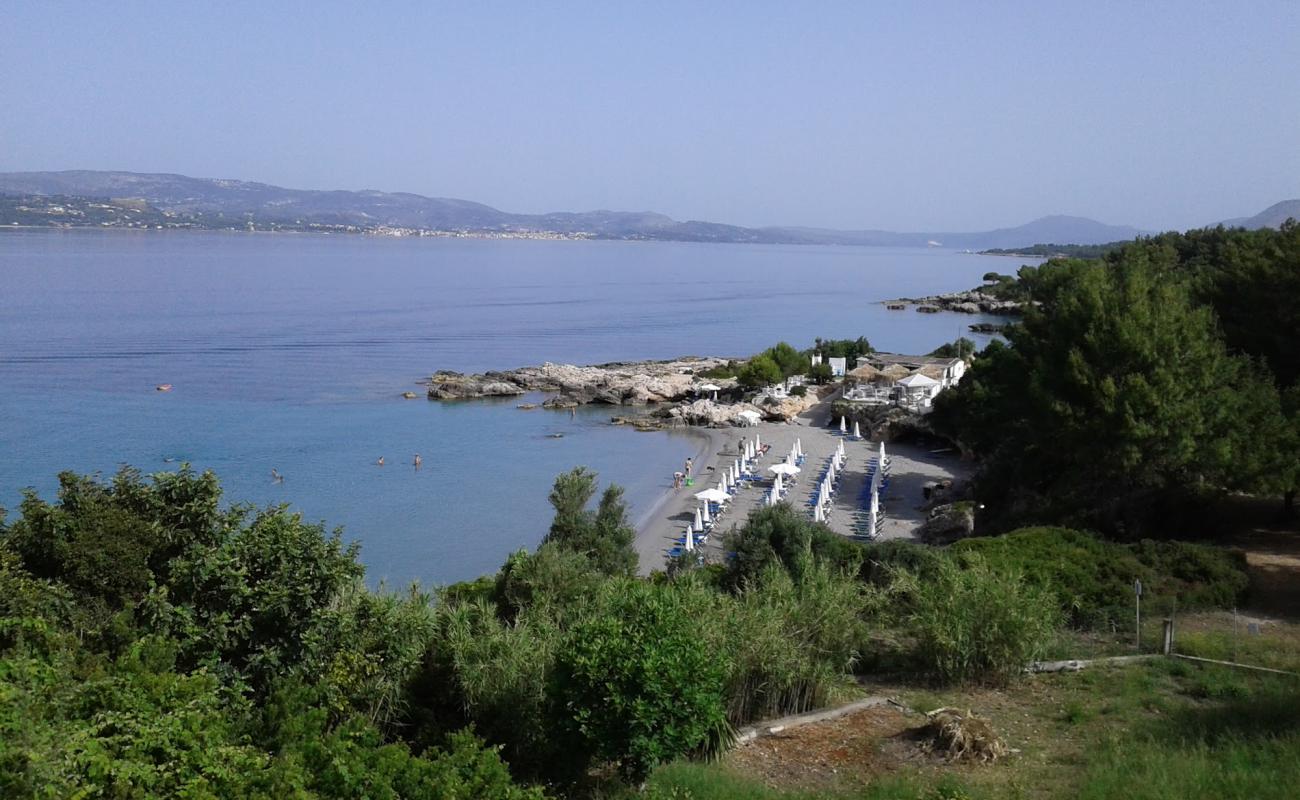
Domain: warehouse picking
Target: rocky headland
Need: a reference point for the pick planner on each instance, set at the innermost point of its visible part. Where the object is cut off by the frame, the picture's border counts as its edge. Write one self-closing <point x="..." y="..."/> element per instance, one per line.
<point x="634" y="383"/>
<point x="969" y="302"/>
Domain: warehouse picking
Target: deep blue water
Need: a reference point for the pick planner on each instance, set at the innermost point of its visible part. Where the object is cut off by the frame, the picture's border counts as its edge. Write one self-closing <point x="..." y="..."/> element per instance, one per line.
<point x="290" y="352"/>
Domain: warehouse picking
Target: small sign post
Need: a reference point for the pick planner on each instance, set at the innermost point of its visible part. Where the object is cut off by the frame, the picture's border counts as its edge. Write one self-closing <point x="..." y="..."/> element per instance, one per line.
<point x="1137" y="613"/>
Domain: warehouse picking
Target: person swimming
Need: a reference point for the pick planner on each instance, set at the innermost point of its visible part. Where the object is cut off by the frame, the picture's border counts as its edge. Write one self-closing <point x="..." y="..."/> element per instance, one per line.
<point x="418" y="461"/>
<point x="276" y="477"/>
<point x="380" y="462"/>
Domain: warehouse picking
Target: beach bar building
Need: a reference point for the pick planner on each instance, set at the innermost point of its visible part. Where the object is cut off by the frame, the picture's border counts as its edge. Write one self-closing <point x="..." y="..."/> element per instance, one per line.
<point x="918" y="390"/>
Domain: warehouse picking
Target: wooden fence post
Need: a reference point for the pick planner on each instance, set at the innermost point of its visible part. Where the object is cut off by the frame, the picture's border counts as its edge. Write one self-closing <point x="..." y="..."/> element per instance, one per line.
<point x="1168" y="638"/>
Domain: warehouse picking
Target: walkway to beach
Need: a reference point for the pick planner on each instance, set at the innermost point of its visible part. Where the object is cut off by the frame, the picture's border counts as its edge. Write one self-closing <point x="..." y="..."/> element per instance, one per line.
<point x="911" y="468"/>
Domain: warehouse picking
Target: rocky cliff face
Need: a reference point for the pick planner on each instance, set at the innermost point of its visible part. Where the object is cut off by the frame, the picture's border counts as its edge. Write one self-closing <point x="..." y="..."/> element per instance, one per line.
<point x="634" y="383"/>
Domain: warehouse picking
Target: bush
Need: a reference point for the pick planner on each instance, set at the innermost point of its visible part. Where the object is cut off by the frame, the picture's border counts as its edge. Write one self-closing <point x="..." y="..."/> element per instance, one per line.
<point x="1093" y="578"/>
<point x="781" y="535"/>
<point x="799" y="391"/>
<point x="977" y="624"/>
<point x="760" y="371"/>
<point x="636" y="684"/>
<point x="789" y="647"/>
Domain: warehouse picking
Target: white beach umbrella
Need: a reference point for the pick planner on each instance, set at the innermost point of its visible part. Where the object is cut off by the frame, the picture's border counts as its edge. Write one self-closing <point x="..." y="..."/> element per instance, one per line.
<point x="699" y="520"/>
<point x="798" y="447"/>
<point x="722" y="486"/>
<point x="882" y="456"/>
<point x="776" y="485"/>
<point x="758" y="442"/>
<point x="873" y="521"/>
<point x="705" y="515"/>
<point x="690" y="539"/>
<point x="784" y="469"/>
<point x="857" y="432"/>
<point x="817" y="513"/>
<point x="843" y="427"/>
<point x="713" y="496"/>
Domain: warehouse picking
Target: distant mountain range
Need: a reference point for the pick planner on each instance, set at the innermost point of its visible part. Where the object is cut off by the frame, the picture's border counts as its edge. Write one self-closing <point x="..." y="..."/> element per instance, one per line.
<point x="1271" y="217"/>
<point x="180" y="201"/>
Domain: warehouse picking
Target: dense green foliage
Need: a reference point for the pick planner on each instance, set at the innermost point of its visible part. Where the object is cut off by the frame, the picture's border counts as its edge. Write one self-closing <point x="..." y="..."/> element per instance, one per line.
<point x="603" y="536"/>
<point x="760" y="371"/>
<point x="1092" y="578"/>
<point x="237" y="654"/>
<point x="1088" y="251"/>
<point x="154" y="645"/>
<point x="851" y="349"/>
<point x="639" y="684"/>
<point x="975" y="623"/>
<point x="1140" y="385"/>
<point x="961" y="348"/>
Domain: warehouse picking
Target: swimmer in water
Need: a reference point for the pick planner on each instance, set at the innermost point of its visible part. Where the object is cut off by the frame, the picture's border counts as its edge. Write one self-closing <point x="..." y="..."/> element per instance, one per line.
<point x="276" y="477"/>
<point x="380" y="462"/>
<point x="418" y="461"/>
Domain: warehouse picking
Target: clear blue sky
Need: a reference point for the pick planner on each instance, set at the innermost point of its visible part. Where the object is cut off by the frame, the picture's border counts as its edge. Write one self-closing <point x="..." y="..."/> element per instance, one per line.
<point x="905" y="115"/>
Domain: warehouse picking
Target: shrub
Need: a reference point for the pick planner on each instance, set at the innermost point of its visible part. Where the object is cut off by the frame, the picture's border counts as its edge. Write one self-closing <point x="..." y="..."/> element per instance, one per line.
<point x="978" y="624"/>
<point x="1093" y="578"/>
<point x="782" y="535"/>
<point x="789" y="647"/>
<point x="636" y="684"/>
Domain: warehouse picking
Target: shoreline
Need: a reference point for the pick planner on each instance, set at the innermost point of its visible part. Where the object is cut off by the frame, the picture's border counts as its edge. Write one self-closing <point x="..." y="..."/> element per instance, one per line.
<point x="649" y="553"/>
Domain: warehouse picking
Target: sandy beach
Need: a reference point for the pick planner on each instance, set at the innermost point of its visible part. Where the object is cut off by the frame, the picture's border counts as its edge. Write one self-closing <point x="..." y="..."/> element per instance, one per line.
<point x="912" y="467"/>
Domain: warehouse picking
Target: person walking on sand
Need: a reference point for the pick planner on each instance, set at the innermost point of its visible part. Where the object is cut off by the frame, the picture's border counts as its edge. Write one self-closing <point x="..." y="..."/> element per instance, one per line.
<point x="418" y="461"/>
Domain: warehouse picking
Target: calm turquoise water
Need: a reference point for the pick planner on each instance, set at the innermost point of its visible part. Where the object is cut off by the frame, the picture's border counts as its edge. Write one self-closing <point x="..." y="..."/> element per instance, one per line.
<point x="289" y="352"/>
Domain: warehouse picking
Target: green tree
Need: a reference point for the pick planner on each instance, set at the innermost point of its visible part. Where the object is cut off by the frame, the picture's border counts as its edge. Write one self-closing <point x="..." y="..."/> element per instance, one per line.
<point x="791" y="361"/>
<point x="760" y="371"/>
<point x="636" y="684"/>
<point x="604" y="536"/>
<point x="1115" y="404"/>
<point x="821" y="374"/>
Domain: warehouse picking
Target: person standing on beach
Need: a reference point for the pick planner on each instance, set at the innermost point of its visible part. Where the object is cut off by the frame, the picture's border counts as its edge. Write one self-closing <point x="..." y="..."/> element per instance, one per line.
<point x="688" y="468"/>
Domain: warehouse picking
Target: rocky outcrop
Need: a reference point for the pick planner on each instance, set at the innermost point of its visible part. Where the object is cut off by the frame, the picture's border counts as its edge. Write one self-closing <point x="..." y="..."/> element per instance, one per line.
<point x="446" y="385"/>
<point x="972" y="302"/>
<point x="948" y="523"/>
<point x="883" y="423"/>
<point x="621" y="383"/>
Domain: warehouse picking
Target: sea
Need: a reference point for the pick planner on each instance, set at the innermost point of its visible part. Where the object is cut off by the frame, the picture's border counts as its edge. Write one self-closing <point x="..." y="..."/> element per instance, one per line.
<point x="290" y="352"/>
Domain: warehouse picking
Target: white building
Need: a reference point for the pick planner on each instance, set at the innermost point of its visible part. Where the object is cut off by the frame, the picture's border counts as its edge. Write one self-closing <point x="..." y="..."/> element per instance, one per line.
<point x="839" y="366"/>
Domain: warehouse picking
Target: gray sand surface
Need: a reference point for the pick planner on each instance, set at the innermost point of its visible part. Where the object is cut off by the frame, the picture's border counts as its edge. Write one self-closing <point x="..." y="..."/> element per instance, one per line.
<point x="911" y="467"/>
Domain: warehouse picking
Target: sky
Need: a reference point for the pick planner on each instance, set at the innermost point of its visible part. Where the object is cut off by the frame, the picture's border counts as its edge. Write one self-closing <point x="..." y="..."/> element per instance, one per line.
<point x="934" y="116"/>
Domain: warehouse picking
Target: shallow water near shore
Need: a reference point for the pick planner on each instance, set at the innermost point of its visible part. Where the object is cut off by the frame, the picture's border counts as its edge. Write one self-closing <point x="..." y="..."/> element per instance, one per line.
<point x="290" y="351"/>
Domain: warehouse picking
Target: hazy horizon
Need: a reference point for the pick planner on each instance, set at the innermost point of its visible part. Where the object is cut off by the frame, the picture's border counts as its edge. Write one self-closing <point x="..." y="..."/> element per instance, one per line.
<point x="946" y="118"/>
